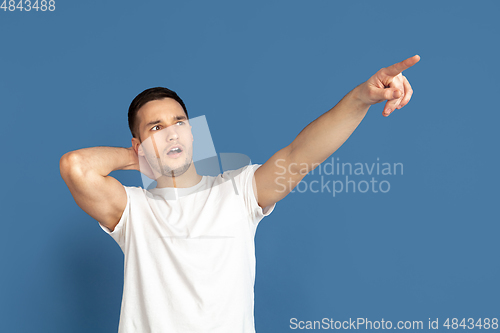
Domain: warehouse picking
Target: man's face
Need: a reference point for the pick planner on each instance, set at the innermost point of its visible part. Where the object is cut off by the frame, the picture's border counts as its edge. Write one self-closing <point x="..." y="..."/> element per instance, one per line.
<point x="167" y="141"/>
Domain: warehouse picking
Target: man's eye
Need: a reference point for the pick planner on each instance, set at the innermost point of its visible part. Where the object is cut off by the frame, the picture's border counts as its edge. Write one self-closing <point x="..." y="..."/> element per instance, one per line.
<point x="180" y="123"/>
<point x="153" y="128"/>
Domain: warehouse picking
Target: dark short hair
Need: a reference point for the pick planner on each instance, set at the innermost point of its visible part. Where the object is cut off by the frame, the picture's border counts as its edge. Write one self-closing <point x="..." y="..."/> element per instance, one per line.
<point x="148" y="95"/>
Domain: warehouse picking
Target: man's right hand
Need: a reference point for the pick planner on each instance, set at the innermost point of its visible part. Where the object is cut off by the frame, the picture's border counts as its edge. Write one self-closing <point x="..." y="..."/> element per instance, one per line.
<point x="142" y="165"/>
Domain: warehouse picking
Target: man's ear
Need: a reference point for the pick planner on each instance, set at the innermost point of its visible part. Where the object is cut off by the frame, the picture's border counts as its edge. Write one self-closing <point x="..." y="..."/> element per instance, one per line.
<point x="137" y="147"/>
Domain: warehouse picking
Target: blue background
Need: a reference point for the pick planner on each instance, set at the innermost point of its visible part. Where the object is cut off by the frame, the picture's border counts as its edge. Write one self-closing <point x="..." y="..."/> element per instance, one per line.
<point x="260" y="71"/>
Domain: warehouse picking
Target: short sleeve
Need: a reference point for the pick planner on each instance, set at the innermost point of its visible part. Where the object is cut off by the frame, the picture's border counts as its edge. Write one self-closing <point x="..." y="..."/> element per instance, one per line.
<point x="119" y="233"/>
<point x="251" y="203"/>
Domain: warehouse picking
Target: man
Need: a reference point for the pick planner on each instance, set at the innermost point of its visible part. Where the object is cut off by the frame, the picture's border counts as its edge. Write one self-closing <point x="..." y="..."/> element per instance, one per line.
<point x="188" y="243"/>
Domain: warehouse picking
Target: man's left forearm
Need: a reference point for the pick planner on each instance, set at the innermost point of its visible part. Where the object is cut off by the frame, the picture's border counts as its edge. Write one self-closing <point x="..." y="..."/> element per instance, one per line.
<point x="322" y="137"/>
<point x="325" y="135"/>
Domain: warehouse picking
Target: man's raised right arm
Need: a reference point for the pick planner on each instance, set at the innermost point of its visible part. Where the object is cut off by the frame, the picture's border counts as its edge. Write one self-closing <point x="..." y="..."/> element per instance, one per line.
<point x="86" y="171"/>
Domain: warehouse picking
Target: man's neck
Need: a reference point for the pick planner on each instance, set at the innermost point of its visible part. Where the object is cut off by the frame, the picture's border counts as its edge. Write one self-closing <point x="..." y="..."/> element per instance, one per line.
<point x="187" y="179"/>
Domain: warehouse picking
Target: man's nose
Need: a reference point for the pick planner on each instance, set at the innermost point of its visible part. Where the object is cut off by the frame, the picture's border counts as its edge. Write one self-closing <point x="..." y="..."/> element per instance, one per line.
<point x="172" y="133"/>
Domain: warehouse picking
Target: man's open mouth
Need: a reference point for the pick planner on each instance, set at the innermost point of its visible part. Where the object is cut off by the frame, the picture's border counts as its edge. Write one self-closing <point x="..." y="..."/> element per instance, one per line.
<point x="174" y="151"/>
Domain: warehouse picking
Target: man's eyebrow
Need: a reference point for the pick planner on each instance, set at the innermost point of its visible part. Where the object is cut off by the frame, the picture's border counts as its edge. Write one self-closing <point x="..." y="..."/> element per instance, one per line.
<point x="156" y="122"/>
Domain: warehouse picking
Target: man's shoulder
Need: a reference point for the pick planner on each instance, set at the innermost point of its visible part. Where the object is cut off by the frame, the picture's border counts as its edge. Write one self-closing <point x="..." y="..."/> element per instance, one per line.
<point x="135" y="191"/>
<point x="240" y="178"/>
<point x="250" y="168"/>
<point x="132" y="188"/>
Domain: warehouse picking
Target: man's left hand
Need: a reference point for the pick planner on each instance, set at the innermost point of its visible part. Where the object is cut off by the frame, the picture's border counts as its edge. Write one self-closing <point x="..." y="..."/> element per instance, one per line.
<point x="389" y="84"/>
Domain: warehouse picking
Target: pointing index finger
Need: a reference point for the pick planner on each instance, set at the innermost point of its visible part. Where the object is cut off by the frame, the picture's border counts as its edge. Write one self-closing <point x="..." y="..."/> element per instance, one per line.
<point x="401" y="66"/>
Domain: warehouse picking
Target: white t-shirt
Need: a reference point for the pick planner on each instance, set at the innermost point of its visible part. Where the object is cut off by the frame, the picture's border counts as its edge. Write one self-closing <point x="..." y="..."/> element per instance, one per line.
<point x="190" y="256"/>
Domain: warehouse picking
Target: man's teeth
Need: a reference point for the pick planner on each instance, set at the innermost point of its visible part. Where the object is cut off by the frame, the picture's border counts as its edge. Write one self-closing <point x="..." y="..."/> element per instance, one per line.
<point x="175" y="150"/>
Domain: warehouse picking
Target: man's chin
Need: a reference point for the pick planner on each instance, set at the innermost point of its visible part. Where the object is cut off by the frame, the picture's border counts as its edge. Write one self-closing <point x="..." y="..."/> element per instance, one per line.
<point x="176" y="171"/>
